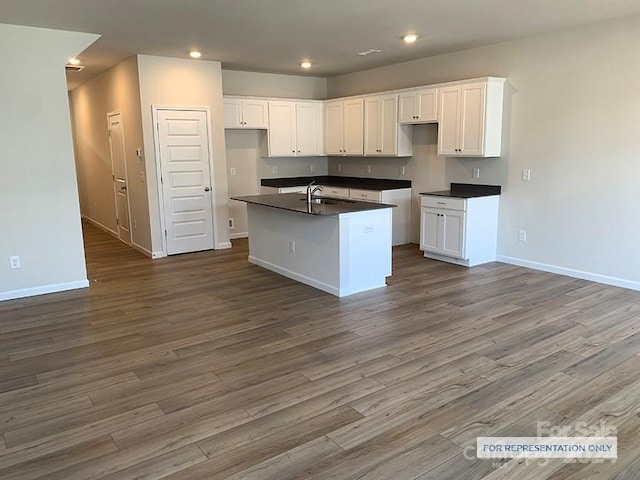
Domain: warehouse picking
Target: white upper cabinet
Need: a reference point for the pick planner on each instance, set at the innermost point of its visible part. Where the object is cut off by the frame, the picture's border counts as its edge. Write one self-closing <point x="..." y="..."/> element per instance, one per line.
<point x="420" y="106"/>
<point x="383" y="135"/>
<point x="470" y="119"/>
<point x="295" y="129"/>
<point x="344" y="127"/>
<point x="245" y="113"/>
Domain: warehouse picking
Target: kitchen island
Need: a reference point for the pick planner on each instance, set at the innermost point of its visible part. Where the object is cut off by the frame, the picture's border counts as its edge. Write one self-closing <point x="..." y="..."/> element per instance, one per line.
<point x="339" y="246"/>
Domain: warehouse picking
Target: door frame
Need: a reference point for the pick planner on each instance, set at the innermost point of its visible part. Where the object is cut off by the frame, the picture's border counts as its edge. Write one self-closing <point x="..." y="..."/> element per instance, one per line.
<point x="126" y="177"/>
<point x="156" y="143"/>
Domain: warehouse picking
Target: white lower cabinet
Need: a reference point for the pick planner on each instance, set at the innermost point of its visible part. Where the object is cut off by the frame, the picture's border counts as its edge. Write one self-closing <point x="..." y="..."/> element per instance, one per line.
<point x="459" y="230"/>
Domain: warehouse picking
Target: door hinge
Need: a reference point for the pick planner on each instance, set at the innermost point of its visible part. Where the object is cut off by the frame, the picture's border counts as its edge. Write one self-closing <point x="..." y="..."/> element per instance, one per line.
<point x="165" y="233"/>
<point x="118" y="222"/>
<point x="161" y="181"/>
<point x="113" y="177"/>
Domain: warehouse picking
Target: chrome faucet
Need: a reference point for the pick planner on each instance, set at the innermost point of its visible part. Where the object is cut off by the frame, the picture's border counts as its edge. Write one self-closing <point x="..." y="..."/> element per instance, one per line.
<point x="311" y="190"/>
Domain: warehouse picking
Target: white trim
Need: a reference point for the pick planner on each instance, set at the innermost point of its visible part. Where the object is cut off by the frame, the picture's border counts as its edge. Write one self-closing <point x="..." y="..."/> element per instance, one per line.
<point x="141" y="249"/>
<point x="156" y="143"/>
<point x="33" y="291"/>
<point x="100" y="226"/>
<point x="224" y="246"/>
<point x="594" y="277"/>
<point x="233" y="236"/>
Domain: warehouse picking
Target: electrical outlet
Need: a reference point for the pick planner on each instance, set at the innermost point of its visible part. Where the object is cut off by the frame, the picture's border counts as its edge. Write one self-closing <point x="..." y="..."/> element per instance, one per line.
<point x="231" y="223"/>
<point x="232" y="171"/>
<point x="139" y="152"/>
<point x="141" y="177"/>
<point x="292" y="246"/>
<point x="274" y="169"/>
<point x="339" y="167"/>
<point x="14" y="262"/>
<point x="368" y="168"/>
<point x="476" y="172"/>
<point x="312" y="168"/>
<point x="402" y="170"/>
<point x="135" y="224"/>
<point x="526" y="175"/>
<point x="522" y="235"/>
<point x="368" y="228"/>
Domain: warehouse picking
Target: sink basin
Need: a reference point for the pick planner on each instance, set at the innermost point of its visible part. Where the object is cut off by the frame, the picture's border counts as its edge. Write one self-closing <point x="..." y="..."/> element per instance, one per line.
<point x="327" y="201"/>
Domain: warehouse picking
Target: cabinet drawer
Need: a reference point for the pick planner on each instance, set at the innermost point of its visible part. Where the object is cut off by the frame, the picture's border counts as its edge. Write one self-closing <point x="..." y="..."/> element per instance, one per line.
<point x="444" y="202"/>
<point x="334" y="192"/>
<point x="292" y="190"/>
<point x="367" y="195"/>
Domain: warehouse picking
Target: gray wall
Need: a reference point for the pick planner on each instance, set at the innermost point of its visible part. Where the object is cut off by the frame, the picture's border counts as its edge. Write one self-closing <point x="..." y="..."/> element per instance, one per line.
<point x="40" y="215"/>
<point x="573" y="118"/>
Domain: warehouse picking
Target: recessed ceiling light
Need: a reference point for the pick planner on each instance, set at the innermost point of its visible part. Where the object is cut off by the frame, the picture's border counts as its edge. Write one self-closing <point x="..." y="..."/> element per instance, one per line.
<point x="410" y="38"/>
<point x="369" y="52"/>
<point x="195" y="54"/>
<point x="74" y="61"/>
<point x="305" y="64"/>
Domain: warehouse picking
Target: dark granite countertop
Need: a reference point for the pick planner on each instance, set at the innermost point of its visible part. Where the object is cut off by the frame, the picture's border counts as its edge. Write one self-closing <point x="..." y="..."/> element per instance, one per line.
<point x="467" y="190"/>
<point x="335" y="181"/>
<point x="296" y="202"/>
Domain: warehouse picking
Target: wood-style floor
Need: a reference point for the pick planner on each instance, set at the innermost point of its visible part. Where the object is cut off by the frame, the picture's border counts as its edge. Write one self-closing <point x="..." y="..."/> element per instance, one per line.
<point x="205" y="367"/>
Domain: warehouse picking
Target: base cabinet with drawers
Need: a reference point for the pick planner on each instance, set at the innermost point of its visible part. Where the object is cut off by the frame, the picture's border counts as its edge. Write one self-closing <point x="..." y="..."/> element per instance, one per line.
<point x="463" y="231"/>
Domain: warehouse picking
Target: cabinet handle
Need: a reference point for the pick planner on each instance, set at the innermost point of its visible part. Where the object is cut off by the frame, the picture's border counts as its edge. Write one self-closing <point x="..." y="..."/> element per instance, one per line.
<point x="441" y="203"/>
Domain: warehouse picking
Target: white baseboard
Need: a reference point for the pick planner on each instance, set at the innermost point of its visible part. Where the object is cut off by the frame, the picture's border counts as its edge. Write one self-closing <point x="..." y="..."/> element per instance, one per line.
<point x="100" y="226"/>
<point x="569" y="272"/>
<point x="44" y="289"/>
<point x="234" y="236"/>
<point x="224" y="245"/>
<point x="141" y="249"/>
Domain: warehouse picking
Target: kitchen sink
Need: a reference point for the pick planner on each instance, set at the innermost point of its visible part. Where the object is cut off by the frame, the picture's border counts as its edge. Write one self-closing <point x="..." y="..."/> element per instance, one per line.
<point x="327" y="201"/>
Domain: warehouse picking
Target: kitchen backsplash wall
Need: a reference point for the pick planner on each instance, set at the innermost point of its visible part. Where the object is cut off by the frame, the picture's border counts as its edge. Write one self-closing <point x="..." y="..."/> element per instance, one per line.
<point x="425" y="169"/>
<point x="246" y="166"/>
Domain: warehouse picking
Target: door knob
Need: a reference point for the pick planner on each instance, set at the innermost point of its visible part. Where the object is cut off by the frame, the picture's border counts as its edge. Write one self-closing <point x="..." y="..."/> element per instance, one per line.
<point x="207" y="189"/>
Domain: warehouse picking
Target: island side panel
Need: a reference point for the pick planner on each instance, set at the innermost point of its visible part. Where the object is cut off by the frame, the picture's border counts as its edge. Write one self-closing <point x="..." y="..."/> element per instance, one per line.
<point x="316" y="244"/>
<point x="365" y="250"/>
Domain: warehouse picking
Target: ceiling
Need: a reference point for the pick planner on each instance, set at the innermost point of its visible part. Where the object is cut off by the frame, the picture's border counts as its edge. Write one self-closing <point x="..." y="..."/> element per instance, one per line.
<point x="275" y="35"/>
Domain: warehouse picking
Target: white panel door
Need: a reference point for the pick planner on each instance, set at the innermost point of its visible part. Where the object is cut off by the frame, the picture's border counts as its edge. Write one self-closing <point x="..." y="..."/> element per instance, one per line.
<point x="430" y="230"/>
<point x="472" y="119"/>
<point x="389" y="125"/>
<point x="309" y="129"/>
<point x="183" y="138"/>
<point x="372" y="126"/>
<point x="353" y="127"/>
<point x="334" y="128"/>
<point x="254" y="113"/>
<point x="282" y="129"/>
<point x="119" y="165"/>
<point x="452" y="233"/>
<point x="449" y="121"/>
<point x="409" y="107"/>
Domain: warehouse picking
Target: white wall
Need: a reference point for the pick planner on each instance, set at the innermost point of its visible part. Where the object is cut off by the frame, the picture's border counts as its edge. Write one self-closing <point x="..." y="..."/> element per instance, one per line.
<point x="40" y="216"/>
<point x="116" y="90"/>
<point x="244" y="146"/>
<point x="184" y="83"/>
<point x="572" y="117"/>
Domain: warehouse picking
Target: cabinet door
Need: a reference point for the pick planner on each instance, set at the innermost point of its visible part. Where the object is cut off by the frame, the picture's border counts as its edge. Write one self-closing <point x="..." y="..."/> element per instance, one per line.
<point x="309" y="129"/>
<point x="472" y="119"/>
<point x="354" y="127"/>
<point x="389" y="125"/>
<point x="452" y="233"/>
<point x="449" y="121"/>
<point x="232" y="112"/>
<point x="282" y="127"/>
<point x="254" y="113"/>
<point x="427" y="101"/>
<point x="408" y="107"/>
<point x="430" y="229"/>
<point x="334" y="129"/>
<point x="372" y="126"/>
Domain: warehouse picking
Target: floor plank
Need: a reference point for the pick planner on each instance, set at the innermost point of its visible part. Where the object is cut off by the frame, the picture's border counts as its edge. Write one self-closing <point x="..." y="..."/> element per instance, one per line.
<point x="205" y="367"/>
